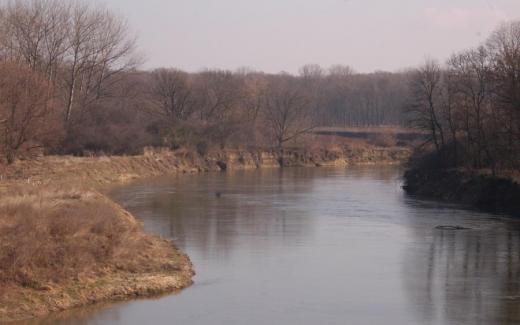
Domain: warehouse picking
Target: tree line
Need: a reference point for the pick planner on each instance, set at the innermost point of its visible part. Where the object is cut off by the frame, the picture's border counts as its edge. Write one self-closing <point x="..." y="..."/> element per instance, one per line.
<point x="70" y="83"/>
<point x="470" y="106"/>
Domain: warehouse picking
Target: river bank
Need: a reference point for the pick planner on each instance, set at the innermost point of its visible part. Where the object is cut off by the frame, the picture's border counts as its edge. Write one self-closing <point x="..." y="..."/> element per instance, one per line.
<point x="486" y="192"/>
<point x="65" y="244"/>
<point x="106" y="170"/>
<point x="64" y="248"/>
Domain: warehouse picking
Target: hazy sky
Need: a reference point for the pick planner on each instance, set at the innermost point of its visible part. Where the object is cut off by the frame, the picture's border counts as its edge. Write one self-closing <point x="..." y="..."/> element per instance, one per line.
<point x="282" y="35"/>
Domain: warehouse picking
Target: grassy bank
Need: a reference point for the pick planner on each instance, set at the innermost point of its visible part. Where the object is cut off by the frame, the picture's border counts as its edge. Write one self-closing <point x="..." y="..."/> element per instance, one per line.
<point x="65" y="248"/>
<point x="64" y="244"/>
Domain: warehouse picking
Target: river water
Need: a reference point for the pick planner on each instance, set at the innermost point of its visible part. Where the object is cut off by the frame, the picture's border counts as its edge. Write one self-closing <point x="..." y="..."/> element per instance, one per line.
<point x="320" y="246"/>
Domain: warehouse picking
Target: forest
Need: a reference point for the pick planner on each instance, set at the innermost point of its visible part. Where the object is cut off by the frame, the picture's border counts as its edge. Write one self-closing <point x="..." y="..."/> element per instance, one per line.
<point x="71" y="83"/>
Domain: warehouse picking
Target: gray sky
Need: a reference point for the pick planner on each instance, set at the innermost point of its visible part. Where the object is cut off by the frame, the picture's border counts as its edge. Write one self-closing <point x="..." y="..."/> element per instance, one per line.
<point x="282" y="35"/>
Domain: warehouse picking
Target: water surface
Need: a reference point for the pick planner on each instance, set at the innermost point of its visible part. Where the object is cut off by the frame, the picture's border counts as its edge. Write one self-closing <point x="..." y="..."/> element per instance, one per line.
<point x="320" y="246"/>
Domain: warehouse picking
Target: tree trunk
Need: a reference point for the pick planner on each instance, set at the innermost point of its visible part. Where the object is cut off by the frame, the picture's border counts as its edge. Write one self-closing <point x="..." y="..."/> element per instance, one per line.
<point x="10" y="156"/>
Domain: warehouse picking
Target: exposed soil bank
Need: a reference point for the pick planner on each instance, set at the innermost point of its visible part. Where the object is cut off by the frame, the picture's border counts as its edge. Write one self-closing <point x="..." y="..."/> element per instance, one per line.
<point x="65" y="245"/>
<point x="98" y="171"/>
<point x="482" y="191"/>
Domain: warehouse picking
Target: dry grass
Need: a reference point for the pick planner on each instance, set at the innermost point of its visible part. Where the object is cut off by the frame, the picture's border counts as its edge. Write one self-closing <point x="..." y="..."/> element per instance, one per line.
<point x="98" y="171"/>
<point x="54" y="240"/>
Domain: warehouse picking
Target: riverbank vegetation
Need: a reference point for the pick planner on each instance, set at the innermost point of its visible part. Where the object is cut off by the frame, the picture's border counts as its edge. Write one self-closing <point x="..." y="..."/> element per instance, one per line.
<point x="65" y="248"/>
<point x="470" y="109"/>
<point x="471" y="105"/>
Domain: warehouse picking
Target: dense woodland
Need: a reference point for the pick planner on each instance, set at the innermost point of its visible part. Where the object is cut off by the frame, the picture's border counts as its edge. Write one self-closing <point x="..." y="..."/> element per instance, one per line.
<point x="70" y="83"/>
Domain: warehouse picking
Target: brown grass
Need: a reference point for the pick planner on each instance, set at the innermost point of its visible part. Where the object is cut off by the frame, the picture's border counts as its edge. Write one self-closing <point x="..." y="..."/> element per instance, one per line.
<point x="99" y="171"/>
<point x="53" y="241"/>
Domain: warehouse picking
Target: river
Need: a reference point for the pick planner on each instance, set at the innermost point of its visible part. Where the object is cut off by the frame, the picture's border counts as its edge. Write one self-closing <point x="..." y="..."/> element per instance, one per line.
<point x="320" y="246"/>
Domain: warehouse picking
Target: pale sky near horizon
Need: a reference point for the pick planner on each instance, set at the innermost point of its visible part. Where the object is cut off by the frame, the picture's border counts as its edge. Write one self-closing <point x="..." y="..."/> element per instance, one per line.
<point x="283" y="35"/>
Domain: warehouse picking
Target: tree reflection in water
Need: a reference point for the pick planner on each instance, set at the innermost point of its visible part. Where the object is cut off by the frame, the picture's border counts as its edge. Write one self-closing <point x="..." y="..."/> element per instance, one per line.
<point x="465" y="276"/>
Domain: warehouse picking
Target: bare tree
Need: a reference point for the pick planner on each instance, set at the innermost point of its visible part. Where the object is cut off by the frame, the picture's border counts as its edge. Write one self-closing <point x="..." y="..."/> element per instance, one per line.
<point x="426" y="91"/>
<point x="25" y="111"/>
<point x="471" y="85"/>
<point x="341" y="71"/>
<point x="99" y="48"/>
<point x="451" y="113"/>
<point x="312" y="72"/>
<point x="252" y="88"/>
<point x="313" y="80"/>
<point x="172" y="94"/>
<point x="79" y="48"/>
<point x="504" y="49"/>
<point x="286" y="109"/>
<point x="35" y="32"/>
<point x="217" y="95"/>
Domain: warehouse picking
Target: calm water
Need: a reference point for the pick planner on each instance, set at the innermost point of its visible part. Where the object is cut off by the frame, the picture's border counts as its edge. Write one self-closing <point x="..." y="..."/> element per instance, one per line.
<point x="320" y="246"/>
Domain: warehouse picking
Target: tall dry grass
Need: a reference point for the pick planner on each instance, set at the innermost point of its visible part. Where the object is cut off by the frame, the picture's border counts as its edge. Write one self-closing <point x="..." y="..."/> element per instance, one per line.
<point x="51" y="236"/>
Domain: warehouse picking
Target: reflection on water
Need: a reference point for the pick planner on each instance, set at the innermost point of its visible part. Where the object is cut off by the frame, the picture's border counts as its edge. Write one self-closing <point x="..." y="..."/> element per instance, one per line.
<point x="320" y="246"/>
<point x="468" y="277"/>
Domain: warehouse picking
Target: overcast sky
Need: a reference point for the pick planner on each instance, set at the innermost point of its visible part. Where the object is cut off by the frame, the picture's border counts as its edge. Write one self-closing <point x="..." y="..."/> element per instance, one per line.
<point x="282" y="35"/>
